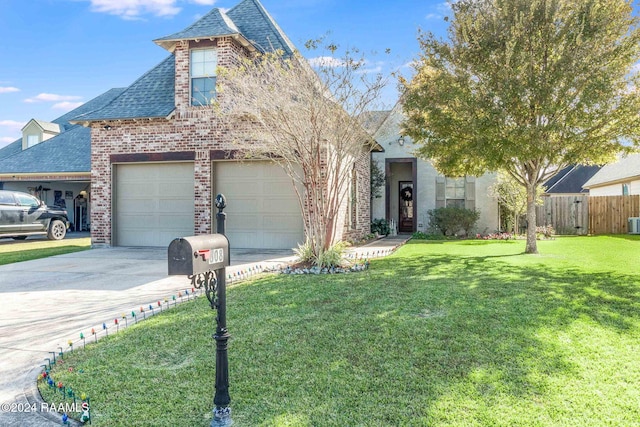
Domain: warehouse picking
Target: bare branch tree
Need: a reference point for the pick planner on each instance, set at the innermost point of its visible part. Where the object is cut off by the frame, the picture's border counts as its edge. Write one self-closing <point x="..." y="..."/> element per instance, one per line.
<point x="307" y="121"/>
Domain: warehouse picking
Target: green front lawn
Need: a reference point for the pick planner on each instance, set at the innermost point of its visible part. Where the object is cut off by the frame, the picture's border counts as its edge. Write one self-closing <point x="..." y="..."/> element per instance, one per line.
<point x="464" y="333"/>
<point x="15" y="251"/>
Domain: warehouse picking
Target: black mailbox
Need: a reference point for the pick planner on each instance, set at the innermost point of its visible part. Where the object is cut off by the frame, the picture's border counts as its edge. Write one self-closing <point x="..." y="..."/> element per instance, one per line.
<point x="198" y="254"/>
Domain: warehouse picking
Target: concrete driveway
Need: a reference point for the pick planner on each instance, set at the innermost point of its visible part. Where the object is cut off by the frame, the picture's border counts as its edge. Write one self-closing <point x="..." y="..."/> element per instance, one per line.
<point x="46" y="302"/>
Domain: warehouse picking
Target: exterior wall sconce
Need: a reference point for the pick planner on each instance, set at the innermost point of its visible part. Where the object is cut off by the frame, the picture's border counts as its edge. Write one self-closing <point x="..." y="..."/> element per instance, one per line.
<point x="108" y="127"/>
<point x="400" y="141"/>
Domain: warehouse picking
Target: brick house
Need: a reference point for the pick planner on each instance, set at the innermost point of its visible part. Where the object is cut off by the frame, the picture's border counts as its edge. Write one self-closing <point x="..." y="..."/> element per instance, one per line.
<point x="158" y="158"/>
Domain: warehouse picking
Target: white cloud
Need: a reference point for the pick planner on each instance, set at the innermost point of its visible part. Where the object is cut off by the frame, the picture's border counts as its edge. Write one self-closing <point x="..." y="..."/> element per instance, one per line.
<point x="135" y="9"/>
<point x="326" y="61"/>
<point x="52" y="97"/>
<point x="432" y="16"/>
<point x="66" y="105"/>
<point x="6" y="140"/>
<point x="132" y="9"/>
<point x="12" y="125"/>
<point x="8" y="89"/>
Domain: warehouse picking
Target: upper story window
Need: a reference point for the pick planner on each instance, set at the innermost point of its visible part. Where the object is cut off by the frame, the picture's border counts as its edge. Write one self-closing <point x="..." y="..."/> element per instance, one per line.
<point x="625" y="189"/>
<point x="32" y="140"/>
<point x="203" y="76"/>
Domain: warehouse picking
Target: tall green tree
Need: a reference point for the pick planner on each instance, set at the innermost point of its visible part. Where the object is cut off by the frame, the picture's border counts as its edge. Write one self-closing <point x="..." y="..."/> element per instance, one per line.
<point x="527" y="87"/>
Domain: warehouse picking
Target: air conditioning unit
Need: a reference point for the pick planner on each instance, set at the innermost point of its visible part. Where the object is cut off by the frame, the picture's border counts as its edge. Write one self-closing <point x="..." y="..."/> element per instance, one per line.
<point x="634" y="225"/>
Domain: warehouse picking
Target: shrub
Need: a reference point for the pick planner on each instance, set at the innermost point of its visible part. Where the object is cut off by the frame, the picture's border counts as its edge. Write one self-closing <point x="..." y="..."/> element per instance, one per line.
<point x="380" y="226"/>
<point x="332" y="257"/>
<point x="545" y="231"/>
<point x="304" y="252"/>
<point x="452" y="220"/>
<point x="419" y="235"/>
<point x="496" y="236"/>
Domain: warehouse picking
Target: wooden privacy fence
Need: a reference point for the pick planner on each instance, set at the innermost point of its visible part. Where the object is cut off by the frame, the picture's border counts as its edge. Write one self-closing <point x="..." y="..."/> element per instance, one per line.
<point x="588" y="214"/>
<point x="610" y="214"/>
<point x="567" y="214"/>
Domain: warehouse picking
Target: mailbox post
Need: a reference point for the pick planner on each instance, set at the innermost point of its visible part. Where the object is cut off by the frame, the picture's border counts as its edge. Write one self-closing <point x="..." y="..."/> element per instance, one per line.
<point x="204" y="260"/>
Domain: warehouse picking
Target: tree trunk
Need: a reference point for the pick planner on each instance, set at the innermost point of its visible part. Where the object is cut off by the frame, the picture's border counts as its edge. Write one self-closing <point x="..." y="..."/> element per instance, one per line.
<point x="532" y="244"/>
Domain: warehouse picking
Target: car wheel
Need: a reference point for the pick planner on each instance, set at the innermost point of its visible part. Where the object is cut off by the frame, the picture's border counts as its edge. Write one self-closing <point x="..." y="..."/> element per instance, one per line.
<point x="57" y="230"/>
<point x="19" y="237"/>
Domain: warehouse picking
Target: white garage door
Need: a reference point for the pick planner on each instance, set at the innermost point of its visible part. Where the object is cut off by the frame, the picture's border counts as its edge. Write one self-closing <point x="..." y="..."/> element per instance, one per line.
<point x="153" y="203"/>
<point x="262" y="207"/>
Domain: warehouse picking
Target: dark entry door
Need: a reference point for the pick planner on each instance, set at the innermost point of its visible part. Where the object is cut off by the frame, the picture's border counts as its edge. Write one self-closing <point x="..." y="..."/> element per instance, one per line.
<point x="405" y="216"/>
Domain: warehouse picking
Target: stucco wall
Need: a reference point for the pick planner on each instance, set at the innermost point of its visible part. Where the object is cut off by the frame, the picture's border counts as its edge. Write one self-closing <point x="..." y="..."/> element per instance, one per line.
<point x="387" y="136"/>
<point x="615" y="189"/>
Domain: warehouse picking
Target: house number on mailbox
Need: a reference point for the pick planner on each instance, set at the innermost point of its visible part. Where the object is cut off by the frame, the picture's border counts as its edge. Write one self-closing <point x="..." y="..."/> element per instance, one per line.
<point x="217" y="255"/>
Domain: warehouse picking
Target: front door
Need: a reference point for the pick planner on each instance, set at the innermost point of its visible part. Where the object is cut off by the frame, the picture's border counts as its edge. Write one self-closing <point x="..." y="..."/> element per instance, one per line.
<point x="405" y="216"/>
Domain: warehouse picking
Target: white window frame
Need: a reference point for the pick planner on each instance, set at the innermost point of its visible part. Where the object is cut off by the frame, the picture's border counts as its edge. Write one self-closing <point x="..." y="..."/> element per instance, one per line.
<point x="32" y="140"/>
<point x="454" y="187"/>
<point x="625" y="189"/>
<point x="202" y="69"/>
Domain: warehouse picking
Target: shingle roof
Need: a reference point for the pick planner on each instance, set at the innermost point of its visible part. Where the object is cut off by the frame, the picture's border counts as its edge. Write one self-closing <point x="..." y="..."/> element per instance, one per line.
<point x="88" y="107"/>
<point x="11" y="149"/>
<point x="214" y="24"/>
<point x="571" y="179"/>
<point x="255" y="23"/>
<point x="67" y="152"/>
<point x="372" y="120"/>
<point x="625" y="168"/>
<point x="152" y="95"/>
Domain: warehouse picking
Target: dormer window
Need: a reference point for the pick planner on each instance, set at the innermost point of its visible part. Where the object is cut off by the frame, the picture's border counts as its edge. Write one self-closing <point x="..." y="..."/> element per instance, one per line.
<point x="37" y="131"/>
<point x="203" y="64"/>
<point x="32" y="140"/>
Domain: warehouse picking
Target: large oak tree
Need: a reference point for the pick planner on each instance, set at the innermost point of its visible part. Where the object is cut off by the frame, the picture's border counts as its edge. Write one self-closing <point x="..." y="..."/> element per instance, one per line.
<point x="527" y="87"/>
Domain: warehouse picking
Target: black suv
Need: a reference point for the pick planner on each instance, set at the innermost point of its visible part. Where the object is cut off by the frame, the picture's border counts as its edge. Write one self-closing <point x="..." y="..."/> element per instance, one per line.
<point x="23" y="215"/>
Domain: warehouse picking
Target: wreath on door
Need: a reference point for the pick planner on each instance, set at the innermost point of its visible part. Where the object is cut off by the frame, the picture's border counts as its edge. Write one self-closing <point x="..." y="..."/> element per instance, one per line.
<point x="407" y="194"/>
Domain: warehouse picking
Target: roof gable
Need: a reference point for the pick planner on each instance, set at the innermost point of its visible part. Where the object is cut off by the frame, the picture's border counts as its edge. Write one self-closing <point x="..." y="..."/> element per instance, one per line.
<point x="257" y="25"/>
<point x="214" y="24"/>
<point x="43" y="126"/>
<point x="571" y="179"/>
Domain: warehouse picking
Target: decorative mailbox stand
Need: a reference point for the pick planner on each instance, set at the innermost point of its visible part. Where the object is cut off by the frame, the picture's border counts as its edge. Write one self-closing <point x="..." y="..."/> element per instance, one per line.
<point x="204" y="260"/>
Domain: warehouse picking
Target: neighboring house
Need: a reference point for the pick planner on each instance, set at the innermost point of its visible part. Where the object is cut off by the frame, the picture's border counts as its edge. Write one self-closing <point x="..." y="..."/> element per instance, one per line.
<point x="570" y="181"/>
<point x="159" y="157"/>
<point x="621" y="178"/>
<point x="413" y="186"/>
<point x="52" y="161"/>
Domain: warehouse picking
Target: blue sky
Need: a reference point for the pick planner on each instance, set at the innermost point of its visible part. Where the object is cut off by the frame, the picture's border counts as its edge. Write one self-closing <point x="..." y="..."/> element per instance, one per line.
<point x="57" y="54"/>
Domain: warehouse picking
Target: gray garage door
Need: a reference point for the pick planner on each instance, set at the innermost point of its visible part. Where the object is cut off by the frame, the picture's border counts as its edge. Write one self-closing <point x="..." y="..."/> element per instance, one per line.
<point x="263" y="210"/>
<point x="153" y="203"/>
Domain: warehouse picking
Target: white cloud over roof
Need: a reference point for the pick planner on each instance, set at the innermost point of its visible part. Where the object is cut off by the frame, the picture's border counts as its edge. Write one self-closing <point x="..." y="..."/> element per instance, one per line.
<point x="135" y="9"/>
